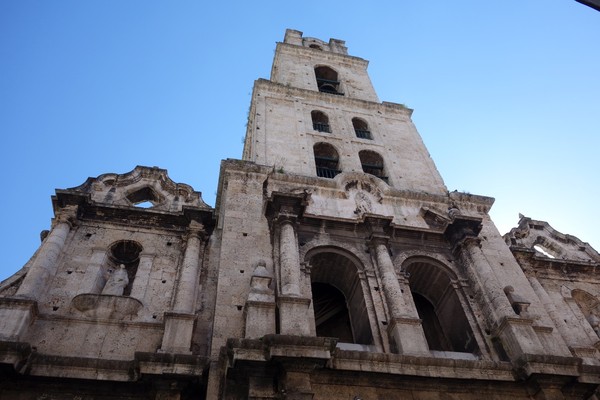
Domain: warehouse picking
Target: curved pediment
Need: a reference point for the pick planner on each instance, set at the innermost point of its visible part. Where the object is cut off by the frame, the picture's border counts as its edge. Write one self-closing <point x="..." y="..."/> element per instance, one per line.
<point x="546" y="241"/>
<point x="144" y="187"/>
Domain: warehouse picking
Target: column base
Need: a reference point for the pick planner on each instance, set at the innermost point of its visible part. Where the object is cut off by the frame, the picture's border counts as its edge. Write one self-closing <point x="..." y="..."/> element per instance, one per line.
<point x="177" y="337"/>
<point x="260" y="319"/>
<point x="408" y="336"/>
<point x="293" y="316"/>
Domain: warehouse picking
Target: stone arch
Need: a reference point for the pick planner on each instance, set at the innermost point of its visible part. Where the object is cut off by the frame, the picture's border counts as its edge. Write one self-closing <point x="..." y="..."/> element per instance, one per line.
<point x="323" y="243"/>
<point x="338" y="295"/>
<point x="445" y="323"/>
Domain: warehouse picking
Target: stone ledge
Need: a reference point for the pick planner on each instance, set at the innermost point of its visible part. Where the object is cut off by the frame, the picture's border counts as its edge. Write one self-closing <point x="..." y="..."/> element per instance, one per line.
<point x="26" y="361"/>
<point x="438" y="367"/>
<point x="172" y="364"/>
<point x="530" y="364"/>
<point x="282" y="348"/>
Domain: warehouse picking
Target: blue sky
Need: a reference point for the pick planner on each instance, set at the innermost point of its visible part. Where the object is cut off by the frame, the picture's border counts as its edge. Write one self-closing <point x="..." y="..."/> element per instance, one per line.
<point x="506" y="95"/>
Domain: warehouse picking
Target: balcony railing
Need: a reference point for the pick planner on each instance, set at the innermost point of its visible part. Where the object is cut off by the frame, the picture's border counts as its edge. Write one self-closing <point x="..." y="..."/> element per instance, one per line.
<point x="325" y="172"/>
<point x="363" y="133"/>
<point x="321" y="127"/>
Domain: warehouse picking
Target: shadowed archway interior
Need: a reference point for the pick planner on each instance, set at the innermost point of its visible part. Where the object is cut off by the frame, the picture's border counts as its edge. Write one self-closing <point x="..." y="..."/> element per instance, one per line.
<point x="338" y="299"/>
<point x="445" y="324"/>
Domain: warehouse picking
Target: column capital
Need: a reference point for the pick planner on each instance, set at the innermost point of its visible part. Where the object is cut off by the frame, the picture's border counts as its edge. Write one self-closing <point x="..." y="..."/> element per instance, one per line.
<point x="67" y="214"/>
<point x="195" y="229"/>
<point x="378" y="239"/>
<point x="282" y="207"/>
<point x="462" y="229"/>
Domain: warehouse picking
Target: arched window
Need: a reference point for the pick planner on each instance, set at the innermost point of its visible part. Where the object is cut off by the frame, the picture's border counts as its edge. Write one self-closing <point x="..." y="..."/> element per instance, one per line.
<point x="126" y="253"/>
<point x="327" y="80"/>
<point x="326" y="160"/>
<point x="445" y="324"/>
<point x="315" y="46"/>
<point x="320" y="121"/>
<point x="338" y="299"/>
<point x="372" y="163"/>
<point x="361" y="128"/>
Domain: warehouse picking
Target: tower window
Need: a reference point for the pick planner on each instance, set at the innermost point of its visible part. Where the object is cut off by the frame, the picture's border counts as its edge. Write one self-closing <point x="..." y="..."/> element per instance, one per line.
<point x="361" y="128"/>
<point x="372" y="163"/>
<point x="327" y="80"/>
<point x="320" y="121"/>
<point x="326" y="160"/>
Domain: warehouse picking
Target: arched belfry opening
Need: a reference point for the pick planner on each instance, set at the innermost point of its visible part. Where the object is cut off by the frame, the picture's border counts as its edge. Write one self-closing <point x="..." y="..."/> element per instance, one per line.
<point x="338" y="298"/>
<point x="327" y="80"/>
<point x="444" y="321"/>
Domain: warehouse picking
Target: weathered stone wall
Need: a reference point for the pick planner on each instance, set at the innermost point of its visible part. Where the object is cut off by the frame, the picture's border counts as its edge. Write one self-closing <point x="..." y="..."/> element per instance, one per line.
<point x="280" y="134"/>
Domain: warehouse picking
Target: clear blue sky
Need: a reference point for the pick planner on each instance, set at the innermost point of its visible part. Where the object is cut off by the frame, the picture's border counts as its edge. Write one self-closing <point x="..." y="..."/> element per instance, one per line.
<point x="506" y="95"/>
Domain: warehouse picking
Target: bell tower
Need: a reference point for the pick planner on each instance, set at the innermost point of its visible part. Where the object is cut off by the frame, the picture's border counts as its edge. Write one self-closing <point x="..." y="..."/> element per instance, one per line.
<point x="319" y="115"/>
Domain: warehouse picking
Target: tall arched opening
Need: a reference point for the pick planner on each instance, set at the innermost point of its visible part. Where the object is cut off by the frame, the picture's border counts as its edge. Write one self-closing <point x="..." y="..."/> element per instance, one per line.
<point x="445" y="323"/>
<point x="338" y="298"/>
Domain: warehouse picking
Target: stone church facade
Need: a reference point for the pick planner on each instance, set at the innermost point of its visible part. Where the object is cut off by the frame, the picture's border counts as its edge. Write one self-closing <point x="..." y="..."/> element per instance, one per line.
<point x="335" y="265"/>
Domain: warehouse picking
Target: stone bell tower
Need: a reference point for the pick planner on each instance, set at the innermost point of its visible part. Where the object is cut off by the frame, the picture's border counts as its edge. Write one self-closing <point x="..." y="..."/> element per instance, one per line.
<point x="319" y="112"/>
<point x="351" y="255"/>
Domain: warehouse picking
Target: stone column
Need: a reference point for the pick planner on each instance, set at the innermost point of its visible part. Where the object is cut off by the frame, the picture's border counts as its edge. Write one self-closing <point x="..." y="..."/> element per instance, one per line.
<point x="93" y="280"/>
<point x="142" y="277"/>
<point x="289" y="259"/>
<point x="45" y="265"/>
<point x="293" y="307"/>
<point x="179" y="323"/>
<point x="517" y="333"/>
<point x="190" y="270"/>
<point x="404" y="325"/>
<point x="482" y="274"/>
